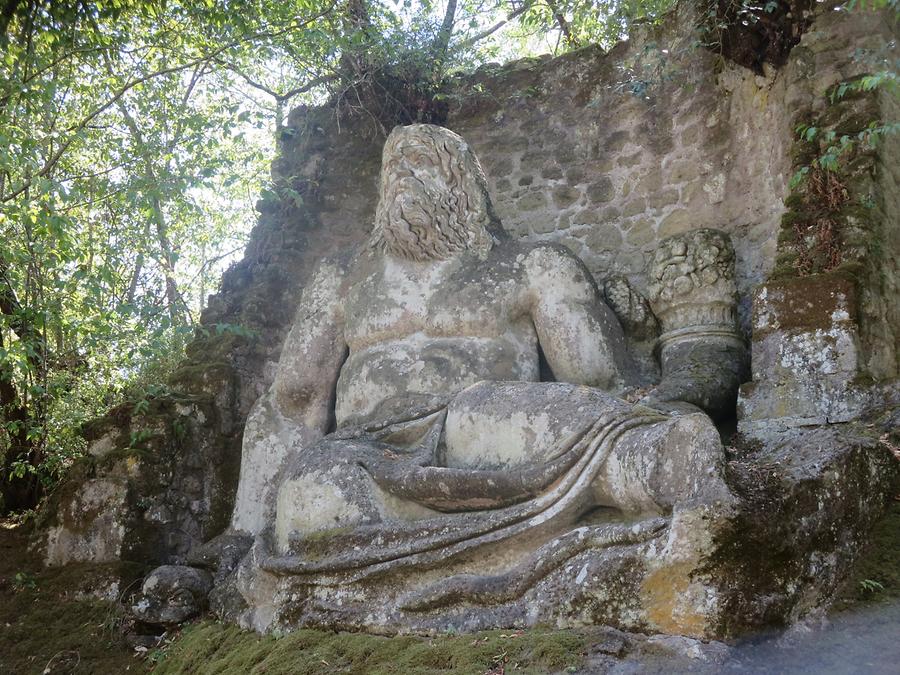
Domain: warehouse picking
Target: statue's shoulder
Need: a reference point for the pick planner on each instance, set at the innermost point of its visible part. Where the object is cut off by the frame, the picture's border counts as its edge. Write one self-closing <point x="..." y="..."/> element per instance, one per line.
<point x="543" y="258"/>
<point x="328" y="282"/>
<point x="338" y="267"/>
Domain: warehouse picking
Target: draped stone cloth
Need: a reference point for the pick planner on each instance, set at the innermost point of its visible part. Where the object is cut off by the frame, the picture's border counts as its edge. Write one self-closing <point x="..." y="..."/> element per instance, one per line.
<point x="476" y="508"/>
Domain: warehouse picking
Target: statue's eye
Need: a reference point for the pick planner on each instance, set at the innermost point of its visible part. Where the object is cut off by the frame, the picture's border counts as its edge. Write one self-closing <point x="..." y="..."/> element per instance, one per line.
<point x="419" y="159"/>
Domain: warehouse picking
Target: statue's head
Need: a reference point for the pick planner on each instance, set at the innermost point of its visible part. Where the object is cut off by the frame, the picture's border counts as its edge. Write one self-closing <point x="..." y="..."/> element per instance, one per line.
<point x="434" y="200"/>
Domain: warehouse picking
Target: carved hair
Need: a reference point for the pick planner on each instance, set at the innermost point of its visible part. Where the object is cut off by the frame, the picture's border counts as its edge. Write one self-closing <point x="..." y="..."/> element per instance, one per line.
<point x="433" y="201"/>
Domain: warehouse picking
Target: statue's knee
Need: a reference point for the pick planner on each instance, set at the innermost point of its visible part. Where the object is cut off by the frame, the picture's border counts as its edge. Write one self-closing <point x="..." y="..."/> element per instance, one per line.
<point x="654" y="466"/>
<point x="322" y="491"/>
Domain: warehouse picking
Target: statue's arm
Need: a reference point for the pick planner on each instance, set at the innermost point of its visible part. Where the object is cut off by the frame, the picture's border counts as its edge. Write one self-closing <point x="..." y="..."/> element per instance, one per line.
<point x="313" y="353"/>
<point x="580" y="336"/>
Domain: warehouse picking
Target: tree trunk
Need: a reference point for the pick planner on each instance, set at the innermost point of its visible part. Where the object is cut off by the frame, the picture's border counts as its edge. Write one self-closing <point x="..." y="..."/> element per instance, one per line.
<point x="16" y="492"/>
<point x="442" y="41"/>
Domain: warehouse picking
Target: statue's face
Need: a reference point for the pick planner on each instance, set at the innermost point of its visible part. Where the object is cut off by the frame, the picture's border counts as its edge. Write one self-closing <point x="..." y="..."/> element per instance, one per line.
<point x="413" y="188"/>
<point x="433" y="201"/>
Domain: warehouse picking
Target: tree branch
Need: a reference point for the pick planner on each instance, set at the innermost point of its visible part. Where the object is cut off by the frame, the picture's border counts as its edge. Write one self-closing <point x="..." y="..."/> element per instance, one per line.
<point x="24" y="329"/>
<point x="442" y="41"/>
<point x="124" y="89"/>
<point x="468" y="42"/>
<point x="562" y="23"/>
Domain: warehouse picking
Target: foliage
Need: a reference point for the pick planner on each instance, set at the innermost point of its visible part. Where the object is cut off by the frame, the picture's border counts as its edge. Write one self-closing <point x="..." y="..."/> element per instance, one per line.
<point x="871" y="586"/>
<point x="115" y="132"/>
<point x="605" y="22"/>
<point x="24" y="581"/>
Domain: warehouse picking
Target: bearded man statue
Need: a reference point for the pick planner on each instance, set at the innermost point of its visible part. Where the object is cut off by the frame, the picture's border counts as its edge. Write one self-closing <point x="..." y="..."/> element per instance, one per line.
<point x="409" y="470"/>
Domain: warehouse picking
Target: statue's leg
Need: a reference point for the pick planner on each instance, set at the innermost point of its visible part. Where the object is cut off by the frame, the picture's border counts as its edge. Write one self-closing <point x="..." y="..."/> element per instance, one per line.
<point x="508" y="425"/>
<point x="269" y="441"/>
<point x="655" y="466"/>
<point x="325" y="488"/>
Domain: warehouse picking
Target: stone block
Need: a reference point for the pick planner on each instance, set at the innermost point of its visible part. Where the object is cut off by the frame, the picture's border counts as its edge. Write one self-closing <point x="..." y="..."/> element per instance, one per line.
<point x="616" y="141"/>
<point x="630" y="160"/>
<point x="634" y="208"/>
<point x="650" y="183"/>
<point x="690" y="135"/>
<point x="683" y="171"/>
<point x="532" y="201"/>
<point x="587" y="217"/>
<point x="641" y="232"/>
<point x="91" y="524"/>
<point x="806" y="357"/>
<point x="715" y="188"/>
<point x="601" y="191"/>
<point x="575" y="175"/>
<point x="544" y="224"/>
<point x="500" y="165"/>
<point x="678" y="221"/>
<point x="564" y="196"/>
<point x="551" y="172"/>
<point x="172" y="594"/>
<point x="630" y="262"/>
<point x="503" y="185"/>
<point x="611" y="213"/>
<point x="659" y="200"/>
<point x="603" y="236"/>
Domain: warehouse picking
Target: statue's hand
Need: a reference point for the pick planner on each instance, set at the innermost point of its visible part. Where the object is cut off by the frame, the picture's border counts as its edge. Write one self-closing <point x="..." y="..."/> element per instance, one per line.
<point x="673" y="408"/>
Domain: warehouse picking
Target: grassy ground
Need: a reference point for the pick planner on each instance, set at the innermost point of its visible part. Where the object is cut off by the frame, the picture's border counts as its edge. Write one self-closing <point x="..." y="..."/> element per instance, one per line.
<point x="45" y="627"/>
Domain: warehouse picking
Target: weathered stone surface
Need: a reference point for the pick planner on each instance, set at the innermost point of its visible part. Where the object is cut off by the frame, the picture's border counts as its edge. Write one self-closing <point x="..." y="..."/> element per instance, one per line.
<point x="172" y="594"/>
<point x="632" y="309"/>
<point x="806" y="355"/>
<point x="812" y="495"/>
<point x="601" y="191"/>
<point x="91" y="526"/>
<point x="141" y="499"/>
<point x="692" y="293"/>
<point x="447" y="446"/>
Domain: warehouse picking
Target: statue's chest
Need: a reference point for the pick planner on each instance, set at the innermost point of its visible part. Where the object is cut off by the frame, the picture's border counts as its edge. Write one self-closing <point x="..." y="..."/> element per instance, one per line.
<point x="440" y="301"/>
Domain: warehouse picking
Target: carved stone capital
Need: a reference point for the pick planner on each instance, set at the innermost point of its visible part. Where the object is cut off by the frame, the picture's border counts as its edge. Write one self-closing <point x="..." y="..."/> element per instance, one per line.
<point x="692" y="289"/>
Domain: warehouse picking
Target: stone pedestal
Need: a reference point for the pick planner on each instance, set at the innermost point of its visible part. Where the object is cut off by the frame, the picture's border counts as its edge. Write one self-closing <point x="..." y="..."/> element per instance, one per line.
<point x="806" y="359"/>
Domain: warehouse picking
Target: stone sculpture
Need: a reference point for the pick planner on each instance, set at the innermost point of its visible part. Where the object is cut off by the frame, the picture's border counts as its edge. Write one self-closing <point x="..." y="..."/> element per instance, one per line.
<point x="409" y="470"/>
<point x="172" y="594"/>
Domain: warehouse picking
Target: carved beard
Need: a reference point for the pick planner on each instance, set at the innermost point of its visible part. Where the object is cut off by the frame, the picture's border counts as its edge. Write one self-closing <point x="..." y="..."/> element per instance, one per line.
<point x="421" y="221"/>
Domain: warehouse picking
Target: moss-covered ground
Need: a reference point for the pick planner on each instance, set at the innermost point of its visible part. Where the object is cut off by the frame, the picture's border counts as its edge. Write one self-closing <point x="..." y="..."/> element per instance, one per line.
<point x="214" y="649"/>
<point x="45" y="627"/>
<point x="876" y="577"/>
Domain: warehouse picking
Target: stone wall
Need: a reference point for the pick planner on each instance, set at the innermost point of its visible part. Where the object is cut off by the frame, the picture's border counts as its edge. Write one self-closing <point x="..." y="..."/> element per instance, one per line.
<point x="604" y="153"/>
<point x="607" y="163"/>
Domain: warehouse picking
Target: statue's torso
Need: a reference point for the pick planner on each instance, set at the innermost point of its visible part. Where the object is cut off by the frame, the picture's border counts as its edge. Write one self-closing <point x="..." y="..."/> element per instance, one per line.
<point x="421" y="330"/>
